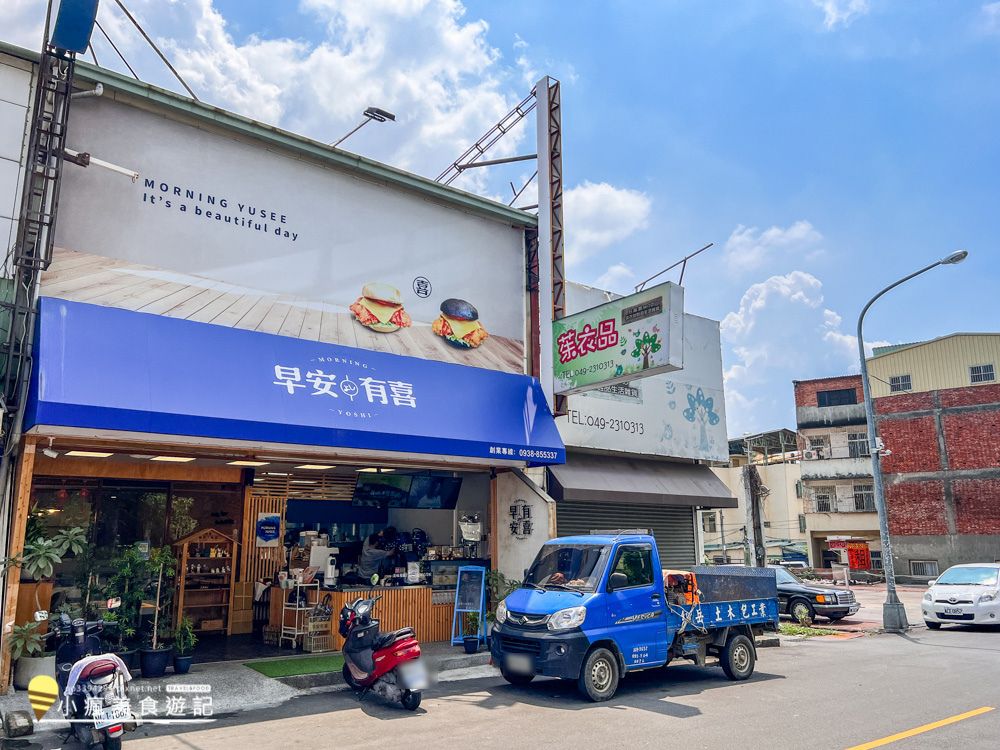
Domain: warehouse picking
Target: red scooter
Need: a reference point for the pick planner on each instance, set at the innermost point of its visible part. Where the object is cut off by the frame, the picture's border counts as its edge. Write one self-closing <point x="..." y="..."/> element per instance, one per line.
<point x="388" y="664"/>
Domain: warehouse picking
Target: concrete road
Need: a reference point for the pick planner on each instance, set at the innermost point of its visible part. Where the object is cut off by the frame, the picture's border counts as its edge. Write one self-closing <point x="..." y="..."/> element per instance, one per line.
<point x="833" y="695"/>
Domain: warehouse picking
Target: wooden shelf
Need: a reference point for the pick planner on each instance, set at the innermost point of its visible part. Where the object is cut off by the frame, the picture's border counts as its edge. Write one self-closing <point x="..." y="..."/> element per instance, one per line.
<point x="193" y="589"/>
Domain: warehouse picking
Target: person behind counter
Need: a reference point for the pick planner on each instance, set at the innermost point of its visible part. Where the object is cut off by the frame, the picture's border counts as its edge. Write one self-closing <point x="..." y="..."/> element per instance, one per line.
<point x="376" y="551"/>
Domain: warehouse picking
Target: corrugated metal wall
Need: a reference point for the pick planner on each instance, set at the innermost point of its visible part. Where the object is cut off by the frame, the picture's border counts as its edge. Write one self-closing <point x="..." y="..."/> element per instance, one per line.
<point x="671" y="525"/>
<point x="936" y="365"/>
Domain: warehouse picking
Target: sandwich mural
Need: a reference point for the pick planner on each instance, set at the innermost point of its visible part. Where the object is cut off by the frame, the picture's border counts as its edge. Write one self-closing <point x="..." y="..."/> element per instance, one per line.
<point x="230" y="231"/>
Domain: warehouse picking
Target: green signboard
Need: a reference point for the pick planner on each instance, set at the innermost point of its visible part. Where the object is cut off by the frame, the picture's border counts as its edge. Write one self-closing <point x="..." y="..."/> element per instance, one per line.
<point x="623" y="340"/>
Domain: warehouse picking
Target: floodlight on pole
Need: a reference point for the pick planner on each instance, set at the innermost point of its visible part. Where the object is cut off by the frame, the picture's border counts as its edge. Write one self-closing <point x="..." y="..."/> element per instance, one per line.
<point x="893" y="613"/>
<point x="372" y="113"/>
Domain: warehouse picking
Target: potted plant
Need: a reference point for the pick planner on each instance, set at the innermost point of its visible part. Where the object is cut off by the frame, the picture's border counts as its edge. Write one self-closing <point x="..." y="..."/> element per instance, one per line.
<point x="184" y="641"/>
<point x="30" y="657"/>
<point x="471" y="635"/>
<point x="39" y="556"/>
<point x="128" y="582"/>
<point x="156" y="656"/>
<point x="498" y="587"/>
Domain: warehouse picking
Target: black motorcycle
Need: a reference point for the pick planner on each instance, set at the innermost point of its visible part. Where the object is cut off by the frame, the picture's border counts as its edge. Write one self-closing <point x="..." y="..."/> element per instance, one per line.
<point x="93" y="686"/>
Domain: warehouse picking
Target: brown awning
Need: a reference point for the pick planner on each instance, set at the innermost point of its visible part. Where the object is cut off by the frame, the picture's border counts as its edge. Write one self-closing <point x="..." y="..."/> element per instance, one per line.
<point x="613" y="479"/>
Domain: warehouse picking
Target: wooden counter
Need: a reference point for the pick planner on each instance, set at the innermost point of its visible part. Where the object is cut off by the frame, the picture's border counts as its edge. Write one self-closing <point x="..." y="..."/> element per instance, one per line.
<point x="399" y="607"/>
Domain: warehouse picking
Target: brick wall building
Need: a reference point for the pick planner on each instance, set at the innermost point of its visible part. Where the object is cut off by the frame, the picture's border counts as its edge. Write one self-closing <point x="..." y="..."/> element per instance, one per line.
<point x="836" y="469"/>
<point x="942" y="478"/>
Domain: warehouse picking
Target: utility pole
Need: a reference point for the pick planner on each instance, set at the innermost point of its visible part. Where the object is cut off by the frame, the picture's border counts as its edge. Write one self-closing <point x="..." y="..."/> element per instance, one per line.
<point x="893" y="613"/>
<point x="753" y="494"/>
<point x="722" y="532"/>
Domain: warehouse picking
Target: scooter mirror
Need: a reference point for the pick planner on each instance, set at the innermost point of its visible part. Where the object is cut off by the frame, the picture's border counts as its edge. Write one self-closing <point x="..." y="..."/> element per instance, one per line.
<point x="374" y="579"/>
<point x="41" y="615"/>
<point x="114" y="603"/>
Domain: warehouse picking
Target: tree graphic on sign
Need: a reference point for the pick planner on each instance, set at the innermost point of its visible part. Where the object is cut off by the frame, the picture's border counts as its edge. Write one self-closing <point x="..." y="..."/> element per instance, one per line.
<point x="645" y="344"/>
<point x="702" y="410"/>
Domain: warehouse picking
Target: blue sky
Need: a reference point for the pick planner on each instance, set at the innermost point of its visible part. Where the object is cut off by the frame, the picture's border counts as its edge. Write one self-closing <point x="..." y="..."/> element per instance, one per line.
<point x="826" y="147"/>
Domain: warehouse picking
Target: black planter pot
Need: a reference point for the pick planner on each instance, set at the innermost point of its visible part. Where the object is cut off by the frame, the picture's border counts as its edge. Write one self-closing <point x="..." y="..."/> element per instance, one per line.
<point x="127" y="657"/>
<point x="154" y="661"/>
<point x="182" y="664"/>
<point x="471" y="643"/>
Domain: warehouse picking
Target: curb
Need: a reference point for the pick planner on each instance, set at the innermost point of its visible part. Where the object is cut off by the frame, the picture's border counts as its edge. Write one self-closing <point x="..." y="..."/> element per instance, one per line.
<point x="768" y="641"/>
<point x="325" y="679"/>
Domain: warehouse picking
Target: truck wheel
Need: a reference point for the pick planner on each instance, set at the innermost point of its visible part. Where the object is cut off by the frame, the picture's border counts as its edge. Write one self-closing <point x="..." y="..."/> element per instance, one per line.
<point x="517" y="679"/>
<point x="738" y="658"/>
<point x="599" y="678"/>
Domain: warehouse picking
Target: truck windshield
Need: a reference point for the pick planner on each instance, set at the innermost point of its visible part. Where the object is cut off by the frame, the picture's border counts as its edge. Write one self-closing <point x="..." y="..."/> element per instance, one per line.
<point x="578" y="566"/>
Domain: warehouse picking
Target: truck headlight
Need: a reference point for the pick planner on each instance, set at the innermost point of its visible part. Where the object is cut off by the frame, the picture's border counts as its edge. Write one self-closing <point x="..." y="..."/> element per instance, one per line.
<point x="501" y="613"/>
<point x="928" y="597"/>
<point x="565" y="619"/>
<point x="989" y="596"/>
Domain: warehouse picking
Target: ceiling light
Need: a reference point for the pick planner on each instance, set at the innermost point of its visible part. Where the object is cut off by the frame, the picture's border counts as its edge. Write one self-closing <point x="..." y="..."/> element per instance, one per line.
<point x="88" y="454"/>
<point x="172" y="459"/>
<point x="303" y="481"/>
<point x="247" y="463"/>
<point x="373" y="470"/>
<point x="317" y="467"/>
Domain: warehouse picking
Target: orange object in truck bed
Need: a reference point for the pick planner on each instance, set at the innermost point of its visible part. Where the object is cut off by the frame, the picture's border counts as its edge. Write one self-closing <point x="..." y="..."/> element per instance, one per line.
<point x="683" y="583"/>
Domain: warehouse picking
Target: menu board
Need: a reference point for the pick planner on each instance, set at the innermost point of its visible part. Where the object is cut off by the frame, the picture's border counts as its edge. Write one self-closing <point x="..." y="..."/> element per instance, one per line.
<point x="382" y="490"/>
<point x="470" y="590"/>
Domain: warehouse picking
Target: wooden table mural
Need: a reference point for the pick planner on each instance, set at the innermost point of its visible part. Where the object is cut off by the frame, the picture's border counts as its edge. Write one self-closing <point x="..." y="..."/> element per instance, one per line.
<point x="81" y="277"/>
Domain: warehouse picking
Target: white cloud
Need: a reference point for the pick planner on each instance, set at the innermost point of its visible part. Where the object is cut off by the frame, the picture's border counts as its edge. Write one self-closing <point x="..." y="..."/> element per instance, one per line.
<point x="599" y="215"/>
<point x="748" y="248"/>
<point x="842" y="12"/>
<point x="616" y="278"/>
<point x="797" y="287"/>
<point x="991" y="18"/>
<point x="426" y="61"/>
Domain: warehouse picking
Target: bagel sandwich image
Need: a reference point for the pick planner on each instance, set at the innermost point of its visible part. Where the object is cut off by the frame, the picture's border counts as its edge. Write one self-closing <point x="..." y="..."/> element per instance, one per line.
<point x="459" y="324"/>
<point x="380" y="307"/>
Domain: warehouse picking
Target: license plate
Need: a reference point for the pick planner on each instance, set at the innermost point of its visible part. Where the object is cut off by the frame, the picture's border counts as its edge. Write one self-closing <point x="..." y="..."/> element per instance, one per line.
<point x="518" y="664"/>
<point x="108" y="715"/>
<point x="953" y="610"/>
<point x="414" y="676"/>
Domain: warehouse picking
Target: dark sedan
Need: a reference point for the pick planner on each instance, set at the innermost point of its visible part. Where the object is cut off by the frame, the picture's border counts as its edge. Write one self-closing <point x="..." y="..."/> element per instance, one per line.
<point x="799" y="599"/>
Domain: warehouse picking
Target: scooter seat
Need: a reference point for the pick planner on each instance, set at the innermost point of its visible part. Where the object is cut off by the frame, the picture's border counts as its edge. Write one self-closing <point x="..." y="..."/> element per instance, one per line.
<point x="98" y="669"/>
<point x="390" y="637"/>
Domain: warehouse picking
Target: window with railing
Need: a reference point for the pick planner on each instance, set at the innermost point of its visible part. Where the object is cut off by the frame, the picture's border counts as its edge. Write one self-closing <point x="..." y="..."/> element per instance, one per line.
<point x="824" y="501"/>
<point x="708" y="523"/>
<point x="900" y="383"/>
<point x="802" y="523"/>
<point x="982" y="374"/>
<point x="923" y="568"/>
<point x="864" y="497"/>
<point x="857" y="444"/>
<point x="876" y="556"/>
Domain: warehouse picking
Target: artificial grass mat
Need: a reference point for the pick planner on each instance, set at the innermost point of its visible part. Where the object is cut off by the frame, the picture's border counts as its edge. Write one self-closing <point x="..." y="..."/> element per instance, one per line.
<point x="305" y="665"/>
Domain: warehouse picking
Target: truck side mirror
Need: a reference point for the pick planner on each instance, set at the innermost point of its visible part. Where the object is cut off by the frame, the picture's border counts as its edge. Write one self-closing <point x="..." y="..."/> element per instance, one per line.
<point x="617" y="581"/>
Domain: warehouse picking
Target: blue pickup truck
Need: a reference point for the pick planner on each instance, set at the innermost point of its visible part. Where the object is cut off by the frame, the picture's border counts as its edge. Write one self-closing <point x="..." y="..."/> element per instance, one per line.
<point x="594" y="608"/>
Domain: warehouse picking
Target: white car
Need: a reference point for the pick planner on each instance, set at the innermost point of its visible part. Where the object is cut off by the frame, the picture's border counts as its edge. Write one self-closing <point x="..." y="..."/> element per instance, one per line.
<point x="964" y="594"/>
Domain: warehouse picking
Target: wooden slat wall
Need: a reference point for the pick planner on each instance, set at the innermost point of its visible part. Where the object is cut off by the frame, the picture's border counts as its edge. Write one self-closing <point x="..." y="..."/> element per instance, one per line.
<point x="406" y="606"/>
<point x="261" y="563"/>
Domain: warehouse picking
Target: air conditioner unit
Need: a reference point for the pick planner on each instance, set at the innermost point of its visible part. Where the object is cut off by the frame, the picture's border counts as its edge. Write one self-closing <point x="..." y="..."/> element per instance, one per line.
<point x="812" y="455"/>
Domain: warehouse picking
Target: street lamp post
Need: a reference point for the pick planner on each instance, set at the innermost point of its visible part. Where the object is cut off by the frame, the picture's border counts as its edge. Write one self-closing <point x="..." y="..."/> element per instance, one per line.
<point x="893" y="613"/>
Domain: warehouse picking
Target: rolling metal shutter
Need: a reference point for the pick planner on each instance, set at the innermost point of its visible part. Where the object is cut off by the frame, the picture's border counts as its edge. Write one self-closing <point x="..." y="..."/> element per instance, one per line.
<point x="671" y="526"/>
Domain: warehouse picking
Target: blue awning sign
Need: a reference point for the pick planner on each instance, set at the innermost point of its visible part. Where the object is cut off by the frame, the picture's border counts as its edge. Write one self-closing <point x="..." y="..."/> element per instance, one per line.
<point x="105" y="368"/>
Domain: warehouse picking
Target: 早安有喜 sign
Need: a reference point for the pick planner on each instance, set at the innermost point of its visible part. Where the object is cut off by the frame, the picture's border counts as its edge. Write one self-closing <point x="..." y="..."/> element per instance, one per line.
<point x="620" y="341"/>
